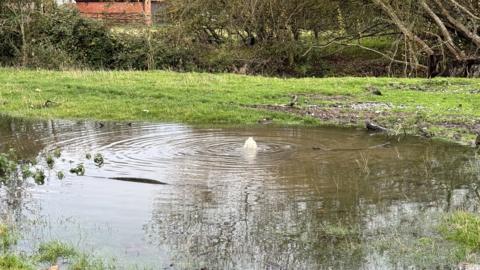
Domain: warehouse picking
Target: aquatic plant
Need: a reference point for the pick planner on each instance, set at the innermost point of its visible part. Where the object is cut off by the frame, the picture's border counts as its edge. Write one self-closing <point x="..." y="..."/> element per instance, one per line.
<point x="463" y="228"/>
<point x="86" y="262"/>
<point x="60" y="175"/>
<point x="6" y="238"/>
<point x="50" y="161"/>
<point x="362" y="163"/>
<point x="25" y="170"/>
<point x="78" y="170"/>
<point x="47" y="253"/>
<point x="39" y="177"/>
<point x="98" y="159"/>
<point x="57" y="153"/>
<point x="8" y="166"/>
<point x="14" y="262"/>
<point x="414" y="242"/>
<point x="88" y="156"/>
<point x="50" y="252"/>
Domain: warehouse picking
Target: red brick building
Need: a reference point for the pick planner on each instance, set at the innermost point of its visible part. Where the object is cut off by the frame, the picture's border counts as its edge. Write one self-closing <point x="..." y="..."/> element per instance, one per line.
<point x="121" y="11"/>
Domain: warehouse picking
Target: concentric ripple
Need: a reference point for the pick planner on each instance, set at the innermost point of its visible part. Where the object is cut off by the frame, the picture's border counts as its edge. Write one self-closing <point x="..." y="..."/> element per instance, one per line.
<point x="229" y="207"/>
<point x="173" y="151"/>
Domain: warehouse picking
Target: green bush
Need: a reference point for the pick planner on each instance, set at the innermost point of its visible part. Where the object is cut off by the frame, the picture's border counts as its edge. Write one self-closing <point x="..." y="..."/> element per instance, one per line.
<point x="83" y="41"/>
<point x="62" y="39"/>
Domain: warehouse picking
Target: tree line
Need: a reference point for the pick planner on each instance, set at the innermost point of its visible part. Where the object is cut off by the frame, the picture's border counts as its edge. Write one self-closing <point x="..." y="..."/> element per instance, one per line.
<point x="274" y="37"/>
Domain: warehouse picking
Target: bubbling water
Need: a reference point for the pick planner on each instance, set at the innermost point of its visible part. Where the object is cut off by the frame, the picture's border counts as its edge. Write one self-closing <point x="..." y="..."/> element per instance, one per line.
<point x="250" y="144"/>
<point x="156" y="151"/>
<point x="225" y="201"/>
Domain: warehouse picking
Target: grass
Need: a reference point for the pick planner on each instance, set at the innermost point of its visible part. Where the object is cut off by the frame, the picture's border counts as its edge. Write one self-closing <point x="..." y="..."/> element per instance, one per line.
<point x="463" y="228"/>
<point x="13" y="262"/>
<point x="448" y="108"/>
<point x="415" y="242"/>
<point x="6" y="238"/>
<point x="50" y="252"/>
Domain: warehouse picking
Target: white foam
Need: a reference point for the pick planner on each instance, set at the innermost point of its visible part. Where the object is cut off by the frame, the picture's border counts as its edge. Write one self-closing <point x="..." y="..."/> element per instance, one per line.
<point x="250" y="144"/>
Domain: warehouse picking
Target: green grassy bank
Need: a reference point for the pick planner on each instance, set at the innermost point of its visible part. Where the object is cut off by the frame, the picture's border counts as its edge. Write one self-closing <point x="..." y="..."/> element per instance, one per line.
<point x="443" y="108"/>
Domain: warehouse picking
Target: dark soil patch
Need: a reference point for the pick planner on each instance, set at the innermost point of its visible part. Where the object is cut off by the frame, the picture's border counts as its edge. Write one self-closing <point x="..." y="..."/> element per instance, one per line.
<point x="335" y="114"/>
<point x="471" y="127"/>
<point x="430" y="86"/>
<point x="343" y="66"/>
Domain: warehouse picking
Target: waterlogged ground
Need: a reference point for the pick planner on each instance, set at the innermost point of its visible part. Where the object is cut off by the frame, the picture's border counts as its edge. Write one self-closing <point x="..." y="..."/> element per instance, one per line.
<point x="307" y="199"/>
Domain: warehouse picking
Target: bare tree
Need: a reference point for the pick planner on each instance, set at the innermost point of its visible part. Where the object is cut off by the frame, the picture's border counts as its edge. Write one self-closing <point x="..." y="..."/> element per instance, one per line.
<point x="440" y="34"/>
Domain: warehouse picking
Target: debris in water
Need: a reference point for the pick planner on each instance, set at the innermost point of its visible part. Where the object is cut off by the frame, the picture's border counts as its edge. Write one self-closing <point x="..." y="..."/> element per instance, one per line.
<point x="374" y="127"/>
<point x="265" y="121"/>
<point x="139" y="180"/>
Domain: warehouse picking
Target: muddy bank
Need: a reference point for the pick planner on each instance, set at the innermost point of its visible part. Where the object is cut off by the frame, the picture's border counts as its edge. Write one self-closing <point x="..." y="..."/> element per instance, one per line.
<point x="345" y="111"/>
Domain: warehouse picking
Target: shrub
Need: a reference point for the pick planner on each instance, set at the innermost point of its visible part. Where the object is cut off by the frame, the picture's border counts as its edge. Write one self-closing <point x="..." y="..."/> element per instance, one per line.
<point x="61" y="38"/>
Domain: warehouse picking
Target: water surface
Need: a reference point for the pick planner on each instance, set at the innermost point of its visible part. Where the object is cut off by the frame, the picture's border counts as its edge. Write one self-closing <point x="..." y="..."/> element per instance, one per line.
<point x="307" y="199"/>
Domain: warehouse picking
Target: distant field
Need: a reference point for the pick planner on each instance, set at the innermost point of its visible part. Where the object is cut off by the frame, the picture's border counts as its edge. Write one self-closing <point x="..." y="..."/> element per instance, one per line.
<point x="443" y="108"/>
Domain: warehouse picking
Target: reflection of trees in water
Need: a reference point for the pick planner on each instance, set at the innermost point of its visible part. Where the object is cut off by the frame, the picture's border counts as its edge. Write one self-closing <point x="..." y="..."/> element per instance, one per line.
<point x="280" y="217"/>
<point x="246" y="231"/>
<point x="16" y="202"/>
<point x="243" y="220"/>
<point x="24" y="137"/>
<point x="297" y="212"/>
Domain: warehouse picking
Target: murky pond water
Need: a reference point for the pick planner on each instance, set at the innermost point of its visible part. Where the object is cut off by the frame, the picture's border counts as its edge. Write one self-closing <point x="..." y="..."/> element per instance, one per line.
<point x="307" y="199"/>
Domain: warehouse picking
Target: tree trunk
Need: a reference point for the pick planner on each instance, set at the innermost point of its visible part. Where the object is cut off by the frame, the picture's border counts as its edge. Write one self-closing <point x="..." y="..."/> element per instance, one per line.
<point x="24" y="48"/>
<point x="468" y="68"/>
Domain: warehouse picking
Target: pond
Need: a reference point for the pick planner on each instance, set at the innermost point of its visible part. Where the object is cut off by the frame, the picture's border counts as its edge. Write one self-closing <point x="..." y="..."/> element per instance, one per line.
<point x="308" y="198"/>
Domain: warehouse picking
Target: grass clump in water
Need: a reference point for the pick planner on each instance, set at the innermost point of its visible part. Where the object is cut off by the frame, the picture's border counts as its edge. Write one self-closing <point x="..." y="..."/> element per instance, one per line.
<point x="98" y="159"/>
<point x="78" y="170"/>
<point x="13" y="262"/>
<point x="52" y="251"/>
<point x="414" y="242"/>
<point x="9" y="261"/>
<point x="338" y="231"/>
<point x="462" y="228"/>
<point x="6" y="238"/>
<point x="85" y="262"/>
<point x="8" y="166"/>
